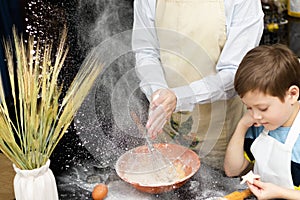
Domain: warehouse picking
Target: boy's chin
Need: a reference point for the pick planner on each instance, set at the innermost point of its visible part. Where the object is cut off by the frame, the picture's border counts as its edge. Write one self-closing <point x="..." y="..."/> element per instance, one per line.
<point x="270" y="127"/>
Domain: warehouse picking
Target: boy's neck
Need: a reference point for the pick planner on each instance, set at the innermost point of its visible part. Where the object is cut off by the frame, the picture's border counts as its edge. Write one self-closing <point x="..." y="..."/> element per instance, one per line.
<point x="293" y="116"/>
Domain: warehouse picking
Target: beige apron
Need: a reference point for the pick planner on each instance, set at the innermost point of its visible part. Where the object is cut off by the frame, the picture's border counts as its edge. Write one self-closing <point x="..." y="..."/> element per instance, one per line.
<point x="190" y="45"/>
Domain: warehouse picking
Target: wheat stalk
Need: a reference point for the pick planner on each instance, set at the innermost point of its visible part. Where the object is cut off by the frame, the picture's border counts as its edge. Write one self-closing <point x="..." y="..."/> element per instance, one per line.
<point x="40" y="121"/>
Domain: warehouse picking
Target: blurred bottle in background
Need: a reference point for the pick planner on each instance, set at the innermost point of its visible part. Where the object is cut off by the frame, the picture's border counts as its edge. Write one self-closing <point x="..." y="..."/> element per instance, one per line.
<point x="275" y="21"/>
<point x="293" y="7"/>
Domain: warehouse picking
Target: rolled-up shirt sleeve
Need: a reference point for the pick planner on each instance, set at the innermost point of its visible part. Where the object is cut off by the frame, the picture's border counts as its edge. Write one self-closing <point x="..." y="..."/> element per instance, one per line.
<point x="146" y="47"/>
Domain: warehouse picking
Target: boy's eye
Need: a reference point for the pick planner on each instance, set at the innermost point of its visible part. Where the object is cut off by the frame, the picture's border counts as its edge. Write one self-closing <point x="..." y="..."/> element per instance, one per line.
<point x="263" y="109"/>
<point x="248" y="108"/>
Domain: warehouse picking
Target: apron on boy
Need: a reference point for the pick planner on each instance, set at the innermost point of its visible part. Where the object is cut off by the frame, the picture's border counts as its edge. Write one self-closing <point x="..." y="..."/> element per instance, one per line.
<point x="190" y="46"/>
<point x="273" y="158"/>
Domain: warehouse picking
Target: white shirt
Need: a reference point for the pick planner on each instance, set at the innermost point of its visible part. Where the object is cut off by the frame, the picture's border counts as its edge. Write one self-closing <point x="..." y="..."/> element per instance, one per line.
<point x="244" y="28"/>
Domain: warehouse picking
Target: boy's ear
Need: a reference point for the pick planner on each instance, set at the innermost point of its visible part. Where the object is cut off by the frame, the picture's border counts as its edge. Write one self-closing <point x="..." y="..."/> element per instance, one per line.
<point x="293" y="93"/>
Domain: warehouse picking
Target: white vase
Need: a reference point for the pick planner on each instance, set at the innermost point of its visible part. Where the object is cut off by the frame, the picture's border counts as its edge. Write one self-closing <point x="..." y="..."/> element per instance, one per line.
<point x="35" y="184"/>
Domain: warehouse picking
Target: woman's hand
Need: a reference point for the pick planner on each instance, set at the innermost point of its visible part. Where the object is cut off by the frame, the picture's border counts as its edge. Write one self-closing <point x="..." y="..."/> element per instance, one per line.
<point x="162" y="105"/>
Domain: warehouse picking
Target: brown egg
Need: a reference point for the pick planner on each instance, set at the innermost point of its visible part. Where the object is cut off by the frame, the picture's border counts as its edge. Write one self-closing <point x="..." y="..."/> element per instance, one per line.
<point x="100" y="192"/>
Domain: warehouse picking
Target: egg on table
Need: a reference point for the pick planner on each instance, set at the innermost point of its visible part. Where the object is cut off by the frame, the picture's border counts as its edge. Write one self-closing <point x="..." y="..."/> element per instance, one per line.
<point x="99" y="192"/>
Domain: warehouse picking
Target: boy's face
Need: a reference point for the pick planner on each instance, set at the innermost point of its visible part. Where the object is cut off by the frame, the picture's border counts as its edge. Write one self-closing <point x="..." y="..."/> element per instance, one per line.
<point x="268" y="110"/>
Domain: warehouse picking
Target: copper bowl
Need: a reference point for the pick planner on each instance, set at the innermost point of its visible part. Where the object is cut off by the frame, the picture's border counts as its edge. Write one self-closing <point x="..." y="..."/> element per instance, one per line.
<point x="174" y="153"/>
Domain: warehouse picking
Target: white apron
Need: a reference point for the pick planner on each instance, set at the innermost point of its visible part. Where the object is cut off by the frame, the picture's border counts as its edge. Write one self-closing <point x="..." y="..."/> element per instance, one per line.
<point x="273" y="158"/>
<point x="190" y="46"/>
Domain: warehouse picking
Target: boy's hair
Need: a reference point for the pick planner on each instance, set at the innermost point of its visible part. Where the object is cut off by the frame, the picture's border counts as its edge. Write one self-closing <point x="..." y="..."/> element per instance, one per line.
<point x="268" y="69"/>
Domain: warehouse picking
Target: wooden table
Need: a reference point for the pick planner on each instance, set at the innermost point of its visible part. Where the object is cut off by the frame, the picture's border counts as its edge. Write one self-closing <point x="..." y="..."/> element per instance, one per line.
<point x="6" y="178"/>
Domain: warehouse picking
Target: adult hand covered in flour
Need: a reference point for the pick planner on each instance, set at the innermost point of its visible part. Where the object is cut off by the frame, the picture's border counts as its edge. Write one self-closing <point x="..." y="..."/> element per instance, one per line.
<point x="162" y="105"/>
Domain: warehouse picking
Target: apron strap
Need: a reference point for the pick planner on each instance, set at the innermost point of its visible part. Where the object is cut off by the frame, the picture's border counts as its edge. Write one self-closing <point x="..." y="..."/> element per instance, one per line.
<point x="265" y="132"/>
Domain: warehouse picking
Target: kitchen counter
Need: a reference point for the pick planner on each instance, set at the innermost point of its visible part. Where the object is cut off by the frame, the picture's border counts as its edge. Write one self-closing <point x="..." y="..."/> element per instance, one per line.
<point x="207" y="183"/>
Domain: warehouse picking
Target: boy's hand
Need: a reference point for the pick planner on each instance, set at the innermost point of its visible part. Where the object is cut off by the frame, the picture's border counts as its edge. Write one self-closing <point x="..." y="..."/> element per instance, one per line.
<point x="247" y="120"/>
<point x="264" y="190"/>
